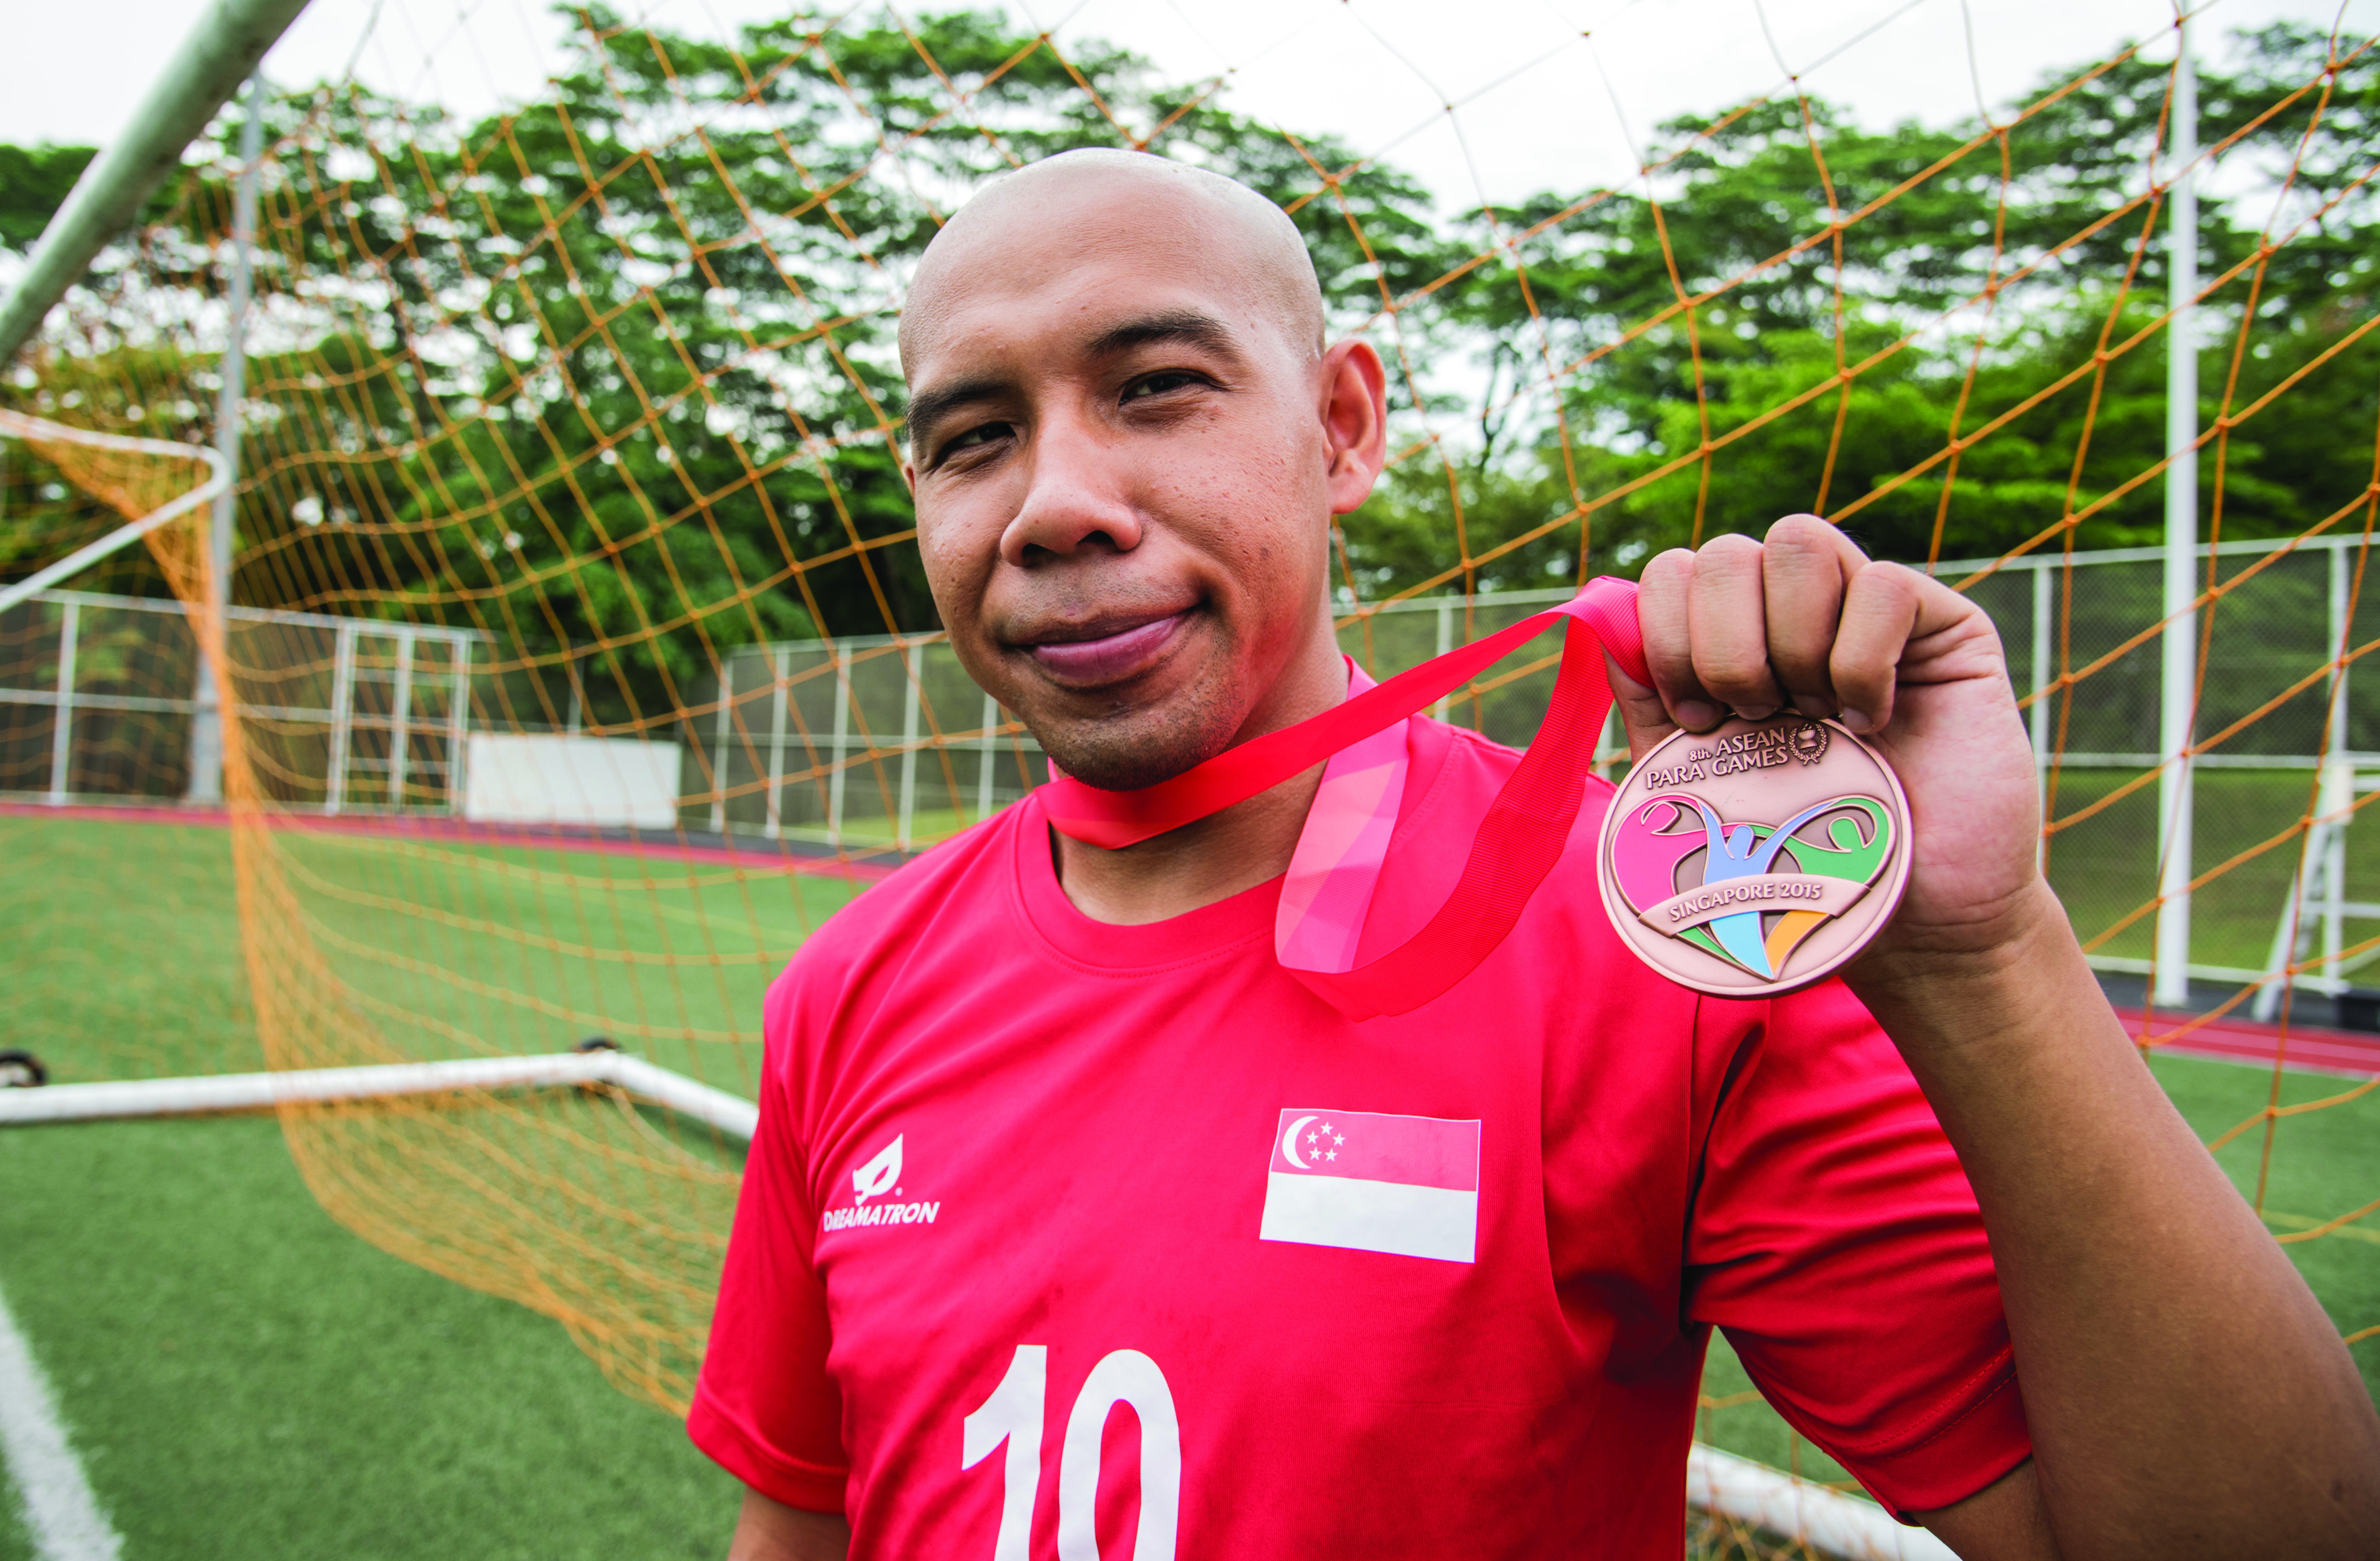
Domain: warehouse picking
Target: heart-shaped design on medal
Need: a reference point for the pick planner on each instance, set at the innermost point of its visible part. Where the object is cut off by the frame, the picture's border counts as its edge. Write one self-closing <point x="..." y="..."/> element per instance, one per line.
<point x="1755" y="859"/>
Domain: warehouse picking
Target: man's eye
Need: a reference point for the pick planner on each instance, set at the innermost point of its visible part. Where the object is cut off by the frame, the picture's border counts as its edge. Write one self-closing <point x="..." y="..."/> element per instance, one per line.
<point x="1159" y="384"/>
<point x="974" y="437"/>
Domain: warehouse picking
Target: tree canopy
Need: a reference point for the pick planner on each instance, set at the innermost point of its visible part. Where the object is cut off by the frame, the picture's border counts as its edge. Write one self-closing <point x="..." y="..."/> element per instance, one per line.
<point x="611" y="373"/>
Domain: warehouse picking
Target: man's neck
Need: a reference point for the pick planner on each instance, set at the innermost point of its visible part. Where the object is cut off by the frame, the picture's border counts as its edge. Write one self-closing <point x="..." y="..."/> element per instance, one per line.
<point x="1222" y="854"/>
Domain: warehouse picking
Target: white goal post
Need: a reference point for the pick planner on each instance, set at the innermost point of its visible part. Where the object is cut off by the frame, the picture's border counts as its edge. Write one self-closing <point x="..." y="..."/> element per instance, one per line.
<point x="256" y="1092"/>
<point x="21" y="426"/>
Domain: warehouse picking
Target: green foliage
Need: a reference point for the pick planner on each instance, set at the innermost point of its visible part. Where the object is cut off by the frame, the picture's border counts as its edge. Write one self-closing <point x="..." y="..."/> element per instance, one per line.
<point x="34" y="183"/>
<point x="1744" y="208"/>
<point x="606" y="369"/>
<point x="614" y="374"/>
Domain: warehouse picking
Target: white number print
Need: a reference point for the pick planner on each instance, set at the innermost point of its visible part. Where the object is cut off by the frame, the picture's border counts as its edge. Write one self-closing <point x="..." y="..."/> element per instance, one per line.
<point x="1014" y="1414"/>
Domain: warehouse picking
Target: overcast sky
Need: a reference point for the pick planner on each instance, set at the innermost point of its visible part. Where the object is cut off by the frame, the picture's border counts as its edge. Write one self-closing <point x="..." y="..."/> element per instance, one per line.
<point x="1547" y="93"/>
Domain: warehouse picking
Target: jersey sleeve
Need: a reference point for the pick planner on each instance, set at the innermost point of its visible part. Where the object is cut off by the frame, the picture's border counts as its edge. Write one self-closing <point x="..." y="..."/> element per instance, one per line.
<point x="1834" y="1238"/>
<point x="765" y="1407"/>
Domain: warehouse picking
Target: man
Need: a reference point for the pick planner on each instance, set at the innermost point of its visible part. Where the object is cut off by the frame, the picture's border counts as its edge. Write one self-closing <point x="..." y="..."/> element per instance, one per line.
<point x="1023" y="1103"/>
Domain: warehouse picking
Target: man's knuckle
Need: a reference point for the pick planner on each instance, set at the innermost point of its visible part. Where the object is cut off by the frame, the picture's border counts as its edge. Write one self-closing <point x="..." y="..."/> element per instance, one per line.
<point x="1728" y="553"/>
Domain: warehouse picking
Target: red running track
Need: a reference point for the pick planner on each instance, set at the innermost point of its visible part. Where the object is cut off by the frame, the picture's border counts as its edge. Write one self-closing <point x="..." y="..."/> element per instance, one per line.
<point x="2308" y="1048"/>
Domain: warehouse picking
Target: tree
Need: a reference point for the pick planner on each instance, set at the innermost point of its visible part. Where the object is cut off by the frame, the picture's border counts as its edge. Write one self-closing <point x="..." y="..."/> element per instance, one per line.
<point x="612" y="374"/>
<point x="1743" y="206"/>
<point x="616" y="371"/>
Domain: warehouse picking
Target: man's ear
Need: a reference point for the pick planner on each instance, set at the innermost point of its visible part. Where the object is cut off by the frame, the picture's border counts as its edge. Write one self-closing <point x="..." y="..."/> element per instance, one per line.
<point x="1355" y="421"/>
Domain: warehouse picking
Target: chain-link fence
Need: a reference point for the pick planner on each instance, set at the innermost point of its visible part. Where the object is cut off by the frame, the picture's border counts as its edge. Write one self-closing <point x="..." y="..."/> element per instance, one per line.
<point x="97" y="695"/>
<point x="883" y="742"/>
<point x="2284" y="730"/>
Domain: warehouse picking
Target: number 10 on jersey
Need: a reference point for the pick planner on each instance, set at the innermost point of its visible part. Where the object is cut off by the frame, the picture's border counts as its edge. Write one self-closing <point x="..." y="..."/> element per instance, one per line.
<point x="1012" y="1416"/>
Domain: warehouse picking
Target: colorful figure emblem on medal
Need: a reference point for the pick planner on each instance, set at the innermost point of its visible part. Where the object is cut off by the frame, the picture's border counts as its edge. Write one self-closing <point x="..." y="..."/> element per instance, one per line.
<point x="1757" y="858"/>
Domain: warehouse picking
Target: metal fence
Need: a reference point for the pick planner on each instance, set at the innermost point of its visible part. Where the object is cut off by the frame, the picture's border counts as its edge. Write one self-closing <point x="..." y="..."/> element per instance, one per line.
<point x="340" y="714"/>
<point x="2285" y="728"/>
<point x="883" y="742"/>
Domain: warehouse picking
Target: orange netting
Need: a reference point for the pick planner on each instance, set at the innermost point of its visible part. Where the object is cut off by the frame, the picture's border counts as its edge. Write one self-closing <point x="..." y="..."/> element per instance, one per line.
<point x="578" y="423"/>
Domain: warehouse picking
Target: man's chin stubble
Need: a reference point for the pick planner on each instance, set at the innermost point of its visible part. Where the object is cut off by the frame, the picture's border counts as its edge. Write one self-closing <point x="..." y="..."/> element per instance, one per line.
<point x="1128" y="753"/>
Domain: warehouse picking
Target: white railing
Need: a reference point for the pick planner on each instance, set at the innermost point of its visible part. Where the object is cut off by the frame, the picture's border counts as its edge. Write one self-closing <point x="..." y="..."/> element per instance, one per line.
<point x="171" y="644"/>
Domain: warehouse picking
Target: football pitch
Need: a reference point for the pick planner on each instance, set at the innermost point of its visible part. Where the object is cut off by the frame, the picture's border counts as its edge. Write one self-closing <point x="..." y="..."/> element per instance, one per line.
<point x="241" y="1376"/>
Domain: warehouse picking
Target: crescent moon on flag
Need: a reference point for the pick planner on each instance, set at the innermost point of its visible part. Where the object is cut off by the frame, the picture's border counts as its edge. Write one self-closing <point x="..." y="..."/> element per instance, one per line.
<point x="1289" y="1141"/>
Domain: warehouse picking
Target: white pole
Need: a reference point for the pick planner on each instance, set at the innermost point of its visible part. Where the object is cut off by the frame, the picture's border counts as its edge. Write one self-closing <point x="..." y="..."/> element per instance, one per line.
<point x="16" y="425"/>
<point x="719" y="734"/>
<point x="988" y="758"/>
<point x="2042" y="677"/>
<point x="911" y="664"/>
<point x="206" y="722"/>
<point x="251" y="1091"/>
<point x="400" y="724"/>
<point x="2038" y="712"/>
<point x="2342" y="778"/>
<point x="1445" y="643"/>
<point x="842" y="727"/>
<point x="1826" y="1522"/>
<point x="2180" y="544"/>
<point x="773" y="825"/>
<point x="221" y="49"/>
<point x="458" y="726"/>
<point x="343" y="709"/>
<point x="62" y="727"/>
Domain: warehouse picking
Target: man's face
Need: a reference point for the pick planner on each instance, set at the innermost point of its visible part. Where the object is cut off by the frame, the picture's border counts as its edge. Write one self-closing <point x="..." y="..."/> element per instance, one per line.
<point x="1124" y="478"/>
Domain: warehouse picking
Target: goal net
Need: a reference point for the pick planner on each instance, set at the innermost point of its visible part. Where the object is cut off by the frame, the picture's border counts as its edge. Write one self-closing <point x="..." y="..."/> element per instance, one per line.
<point x="578" y="657"/>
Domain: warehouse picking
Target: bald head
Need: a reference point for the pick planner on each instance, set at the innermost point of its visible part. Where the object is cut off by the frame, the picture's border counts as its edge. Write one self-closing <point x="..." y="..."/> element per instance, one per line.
<point x="1126" y="442"/>
<point x="1096" y="203"/>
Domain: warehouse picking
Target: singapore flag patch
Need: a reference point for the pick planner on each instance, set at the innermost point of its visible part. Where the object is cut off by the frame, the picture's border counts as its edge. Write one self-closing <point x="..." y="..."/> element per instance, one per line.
<point x="1378" y="1183"/>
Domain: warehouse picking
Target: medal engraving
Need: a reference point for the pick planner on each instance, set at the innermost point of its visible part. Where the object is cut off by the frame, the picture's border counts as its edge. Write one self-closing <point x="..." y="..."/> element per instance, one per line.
<point x="1756" y="859"/>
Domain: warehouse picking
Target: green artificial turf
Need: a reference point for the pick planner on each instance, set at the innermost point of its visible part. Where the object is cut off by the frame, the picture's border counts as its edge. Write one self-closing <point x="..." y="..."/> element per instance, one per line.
<point x="122" y="944"/>
<point x="243" y="1378"/>
<point x="247" y="1378"/>
<point x="127" y="939"/>
<point x="2105" y="866"/>
<point x="2323" y="1164"/>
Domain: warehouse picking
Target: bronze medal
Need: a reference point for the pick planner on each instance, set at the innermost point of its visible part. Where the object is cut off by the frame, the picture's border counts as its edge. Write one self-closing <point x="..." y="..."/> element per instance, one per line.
<point x="1756" y="859"/>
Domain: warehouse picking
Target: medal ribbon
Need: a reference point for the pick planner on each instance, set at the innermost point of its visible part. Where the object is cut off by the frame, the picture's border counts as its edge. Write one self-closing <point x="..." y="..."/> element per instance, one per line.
<point x="1339" y="852"/>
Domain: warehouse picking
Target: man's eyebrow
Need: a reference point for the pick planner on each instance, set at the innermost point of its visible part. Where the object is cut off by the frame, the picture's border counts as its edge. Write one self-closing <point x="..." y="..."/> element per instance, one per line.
<point x="1183" y="325"/>
<point x="1186" y="325"/>
<point x="931" y="407"/>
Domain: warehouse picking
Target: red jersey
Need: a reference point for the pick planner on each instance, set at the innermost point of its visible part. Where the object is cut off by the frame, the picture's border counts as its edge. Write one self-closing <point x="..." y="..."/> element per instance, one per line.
<point x="1067" y="1239"/>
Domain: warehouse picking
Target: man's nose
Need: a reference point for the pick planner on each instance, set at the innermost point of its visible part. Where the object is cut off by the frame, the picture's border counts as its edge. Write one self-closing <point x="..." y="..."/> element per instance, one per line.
<point x="1076" y="498"/>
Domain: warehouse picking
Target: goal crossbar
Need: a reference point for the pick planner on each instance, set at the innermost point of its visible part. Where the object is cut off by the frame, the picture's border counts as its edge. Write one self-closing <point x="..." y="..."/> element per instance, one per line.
<point x="1827" y="1520"/>
<point x="253" y="1092"/>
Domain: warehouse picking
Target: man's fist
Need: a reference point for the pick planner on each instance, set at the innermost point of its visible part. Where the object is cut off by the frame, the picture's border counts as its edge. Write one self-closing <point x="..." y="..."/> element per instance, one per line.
<point x="1806" y="619"/>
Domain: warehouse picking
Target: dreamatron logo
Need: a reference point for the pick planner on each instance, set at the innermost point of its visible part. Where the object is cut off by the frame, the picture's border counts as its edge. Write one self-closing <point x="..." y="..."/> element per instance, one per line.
<point x="875" y="1180"/>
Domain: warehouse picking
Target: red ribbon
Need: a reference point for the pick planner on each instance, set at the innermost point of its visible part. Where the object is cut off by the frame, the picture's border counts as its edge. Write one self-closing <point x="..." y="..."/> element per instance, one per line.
<point x="1517" y="844"/>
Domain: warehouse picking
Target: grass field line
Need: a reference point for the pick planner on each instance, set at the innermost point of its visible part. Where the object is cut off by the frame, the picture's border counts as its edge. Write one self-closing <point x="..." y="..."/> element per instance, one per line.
<point x="62" y="1514"/>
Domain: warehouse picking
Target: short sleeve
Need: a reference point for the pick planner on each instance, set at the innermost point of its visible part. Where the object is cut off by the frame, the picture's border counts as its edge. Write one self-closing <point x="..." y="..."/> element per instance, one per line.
<point x="1834" y="1238"/>
<point x="765" y="1409"/>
